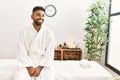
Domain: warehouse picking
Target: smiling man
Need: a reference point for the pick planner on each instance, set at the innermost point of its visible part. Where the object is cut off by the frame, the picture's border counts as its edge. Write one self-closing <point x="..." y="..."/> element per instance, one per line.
<point x="36" y="49"/>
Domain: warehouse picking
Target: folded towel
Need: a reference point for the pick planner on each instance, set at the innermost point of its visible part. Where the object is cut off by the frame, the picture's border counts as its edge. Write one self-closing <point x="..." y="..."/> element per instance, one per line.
<point x="85" y="63"/>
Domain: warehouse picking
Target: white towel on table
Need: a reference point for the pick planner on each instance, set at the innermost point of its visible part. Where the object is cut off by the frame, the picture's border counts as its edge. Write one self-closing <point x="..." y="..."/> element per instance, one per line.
<point x="85" y="64"/>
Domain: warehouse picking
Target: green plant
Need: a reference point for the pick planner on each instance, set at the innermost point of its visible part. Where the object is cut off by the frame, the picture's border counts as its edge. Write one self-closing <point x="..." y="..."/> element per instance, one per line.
<point x="96" y="30"/>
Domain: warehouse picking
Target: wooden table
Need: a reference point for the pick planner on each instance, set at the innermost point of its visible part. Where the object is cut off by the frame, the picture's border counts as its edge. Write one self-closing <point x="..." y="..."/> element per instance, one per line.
<point x="68" y="54"/>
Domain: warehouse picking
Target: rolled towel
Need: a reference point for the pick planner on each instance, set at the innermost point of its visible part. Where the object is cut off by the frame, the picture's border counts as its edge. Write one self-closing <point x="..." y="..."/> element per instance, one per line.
<point x="85" y="63"/>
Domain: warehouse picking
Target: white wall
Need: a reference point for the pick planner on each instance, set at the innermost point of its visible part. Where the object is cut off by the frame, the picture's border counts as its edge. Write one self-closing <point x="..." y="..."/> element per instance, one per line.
<point x="68" y="24"/>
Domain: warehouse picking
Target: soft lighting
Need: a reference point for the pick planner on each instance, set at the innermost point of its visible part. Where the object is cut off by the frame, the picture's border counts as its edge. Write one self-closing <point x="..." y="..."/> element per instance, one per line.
<point x="72" y="45"/>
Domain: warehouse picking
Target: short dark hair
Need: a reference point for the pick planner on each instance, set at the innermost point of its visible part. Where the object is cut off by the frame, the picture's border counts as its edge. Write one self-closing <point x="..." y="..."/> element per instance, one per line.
<point x="38" y="8"/>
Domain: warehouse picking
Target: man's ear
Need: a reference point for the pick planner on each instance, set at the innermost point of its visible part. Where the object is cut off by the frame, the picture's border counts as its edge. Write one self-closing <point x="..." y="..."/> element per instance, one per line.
<point x="31" y="16"/>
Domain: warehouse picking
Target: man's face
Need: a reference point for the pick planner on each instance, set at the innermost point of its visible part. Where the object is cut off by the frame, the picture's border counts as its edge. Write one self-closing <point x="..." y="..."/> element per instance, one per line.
<point x="38" y="17"/>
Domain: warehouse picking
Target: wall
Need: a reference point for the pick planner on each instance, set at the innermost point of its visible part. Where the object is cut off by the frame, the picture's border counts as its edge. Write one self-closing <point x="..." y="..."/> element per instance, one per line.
<point x="68" y="24"/>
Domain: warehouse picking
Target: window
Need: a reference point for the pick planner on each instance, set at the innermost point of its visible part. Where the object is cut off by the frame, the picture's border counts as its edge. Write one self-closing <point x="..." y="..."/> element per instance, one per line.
<point x="113" y="48"/>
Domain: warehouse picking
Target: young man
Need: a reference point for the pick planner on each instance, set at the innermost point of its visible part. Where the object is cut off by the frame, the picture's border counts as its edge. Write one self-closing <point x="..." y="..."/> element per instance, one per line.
<point x="36" y="49"/>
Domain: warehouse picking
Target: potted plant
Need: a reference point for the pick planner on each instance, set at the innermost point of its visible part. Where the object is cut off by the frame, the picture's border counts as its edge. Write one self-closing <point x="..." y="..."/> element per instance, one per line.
<point x="96" y="30"/>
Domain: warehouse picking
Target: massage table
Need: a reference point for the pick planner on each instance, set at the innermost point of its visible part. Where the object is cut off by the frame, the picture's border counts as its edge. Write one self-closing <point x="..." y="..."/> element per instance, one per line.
<point x="63" y="70"/>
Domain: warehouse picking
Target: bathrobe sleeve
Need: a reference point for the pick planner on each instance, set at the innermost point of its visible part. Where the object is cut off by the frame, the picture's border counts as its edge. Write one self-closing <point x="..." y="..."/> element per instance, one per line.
<point x="48" y="56"/>
<point x="22" y="57"/>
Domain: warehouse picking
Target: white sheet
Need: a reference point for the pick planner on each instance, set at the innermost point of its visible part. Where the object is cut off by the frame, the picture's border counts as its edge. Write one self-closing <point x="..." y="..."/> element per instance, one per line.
<point x="64" y="70"/>
<point x="8" y="67"/>
<point x="72" y="70"/>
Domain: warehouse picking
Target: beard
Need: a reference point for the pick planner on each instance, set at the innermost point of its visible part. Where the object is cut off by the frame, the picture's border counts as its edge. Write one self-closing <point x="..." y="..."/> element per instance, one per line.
<point x="38" y="22"/>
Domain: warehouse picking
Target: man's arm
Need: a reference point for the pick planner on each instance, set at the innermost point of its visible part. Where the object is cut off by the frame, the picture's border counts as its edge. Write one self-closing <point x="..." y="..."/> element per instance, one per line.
<point x="48" y="55"/>
<point x="22" y="56"/>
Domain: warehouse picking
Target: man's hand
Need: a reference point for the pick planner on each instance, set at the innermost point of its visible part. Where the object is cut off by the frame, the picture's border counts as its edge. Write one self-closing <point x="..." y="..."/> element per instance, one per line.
<point x="31" y="71"/>
<point x="37" y="71"/>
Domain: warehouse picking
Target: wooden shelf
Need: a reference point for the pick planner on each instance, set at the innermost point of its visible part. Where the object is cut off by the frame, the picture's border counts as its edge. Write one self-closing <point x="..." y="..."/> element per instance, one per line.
<point x="68" y="54"/>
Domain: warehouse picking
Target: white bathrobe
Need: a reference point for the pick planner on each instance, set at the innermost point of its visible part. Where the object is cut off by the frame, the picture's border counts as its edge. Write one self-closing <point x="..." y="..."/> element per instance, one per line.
<point x="36" y="48"/>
